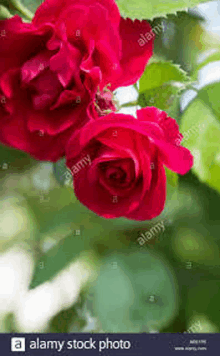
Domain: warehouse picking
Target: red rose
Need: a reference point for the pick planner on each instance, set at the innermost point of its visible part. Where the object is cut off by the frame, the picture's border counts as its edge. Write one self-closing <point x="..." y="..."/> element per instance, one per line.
<point x="51" y="69"/>
<point x="117" y="163"/>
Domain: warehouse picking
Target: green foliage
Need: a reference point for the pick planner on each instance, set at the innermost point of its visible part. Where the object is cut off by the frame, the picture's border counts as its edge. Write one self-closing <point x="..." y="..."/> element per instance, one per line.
<point x="159" y="73"/>
<point x="201" y="127"/>
<point x="213" y="57"/>
<point x="129" y="8"/>
<point x="135" y="292"/>
<point x="73" y="317"/>
<point x="172" y="179"/>
<point x="146" y="9"/>
<point x="21" y="9"/>
<point x="4" y="13"/>
<point x="206" y="307"/>
<point x="160" y="86"/>
<point x="14" y="160"/>
<point x="183" y="39"/>
<point x="58" y="257"/>
<point x="32" y="5"/>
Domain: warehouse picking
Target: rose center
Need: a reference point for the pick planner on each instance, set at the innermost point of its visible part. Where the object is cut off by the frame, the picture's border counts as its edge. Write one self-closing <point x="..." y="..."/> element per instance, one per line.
<point x="119" y="173"/>
<point x="116" y="175"/>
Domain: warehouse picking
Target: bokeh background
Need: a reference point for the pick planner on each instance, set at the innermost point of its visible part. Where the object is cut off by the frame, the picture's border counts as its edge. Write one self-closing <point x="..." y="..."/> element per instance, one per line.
<point x="64" y="269"/>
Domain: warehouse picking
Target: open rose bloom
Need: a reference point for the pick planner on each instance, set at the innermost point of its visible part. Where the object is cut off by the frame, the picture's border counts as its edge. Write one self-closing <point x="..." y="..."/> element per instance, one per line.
<point x="57" y="77"/>
<point x="111" y="160"/>
<point x="53" y="69"/>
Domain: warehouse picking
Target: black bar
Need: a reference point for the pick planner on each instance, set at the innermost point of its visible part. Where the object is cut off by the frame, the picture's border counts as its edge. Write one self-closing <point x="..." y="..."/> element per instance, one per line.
<point x="109" y="344"/>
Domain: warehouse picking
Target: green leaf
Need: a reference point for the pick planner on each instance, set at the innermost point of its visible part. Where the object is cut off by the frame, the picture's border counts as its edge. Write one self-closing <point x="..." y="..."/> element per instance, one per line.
<point x="68" y="318"/>
<point x="159" y="73"/>
<point x="172" y="184"/>
<point x="200" y="126"/>
<point x="4" y="13"/>
<point x="165" y="98"/>
<point x="19" y="6"/>
<point x="160" y="86"/>
<point x="26" y="7"/>
<point x="199" y="305"/>
<point x="32" y="5"/>
<point x="172" y="178"/>
<point x="189" y="244"/>
<point x="135" y="292"/>
<point x="58" y="257"/>
<point x="213" y="57"/>
<point x="150" y="9"/>
<point x="210" y="96"/>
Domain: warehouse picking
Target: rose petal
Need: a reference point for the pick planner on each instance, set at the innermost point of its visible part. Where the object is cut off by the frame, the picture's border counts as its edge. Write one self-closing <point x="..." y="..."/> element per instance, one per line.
<point x="134" y="58"/>
<point x="99" y="200"/>
<point x="21" y="38"/>
<point x="154" y="200"/>
<point x="38" y="144"/>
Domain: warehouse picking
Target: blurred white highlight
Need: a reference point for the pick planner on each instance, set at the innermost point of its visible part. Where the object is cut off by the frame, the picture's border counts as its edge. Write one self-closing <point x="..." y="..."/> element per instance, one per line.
<point x="34" y="309"/>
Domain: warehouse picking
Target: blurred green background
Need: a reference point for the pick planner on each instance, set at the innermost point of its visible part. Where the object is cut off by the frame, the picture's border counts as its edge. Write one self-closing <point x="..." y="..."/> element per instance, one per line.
<point x="64" y="269"/>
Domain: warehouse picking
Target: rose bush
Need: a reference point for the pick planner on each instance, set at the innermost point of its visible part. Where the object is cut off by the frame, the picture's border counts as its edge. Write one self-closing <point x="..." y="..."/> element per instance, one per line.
<point x="52" y="69"/>
<point x="111" y="162"/>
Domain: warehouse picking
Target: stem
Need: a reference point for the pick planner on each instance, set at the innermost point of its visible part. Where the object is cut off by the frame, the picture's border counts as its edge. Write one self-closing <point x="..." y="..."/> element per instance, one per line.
<point x="22" y="9"/>
<point x="131" y="103"/>
<point x="192" y="88"/>
<point x="135" y="86"/>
